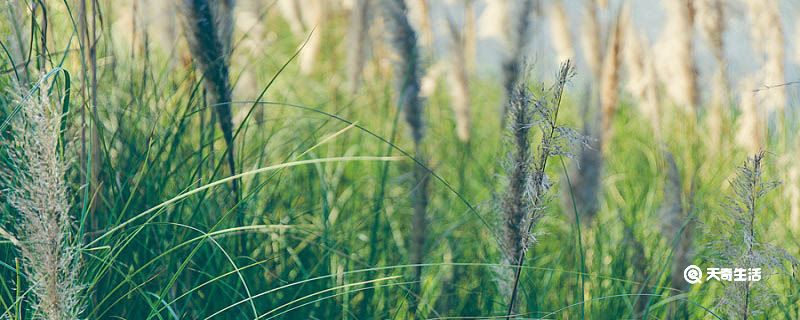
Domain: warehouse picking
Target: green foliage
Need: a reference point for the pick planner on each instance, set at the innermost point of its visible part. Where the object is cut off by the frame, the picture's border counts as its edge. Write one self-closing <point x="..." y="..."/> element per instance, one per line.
<point x="325" y="229"/>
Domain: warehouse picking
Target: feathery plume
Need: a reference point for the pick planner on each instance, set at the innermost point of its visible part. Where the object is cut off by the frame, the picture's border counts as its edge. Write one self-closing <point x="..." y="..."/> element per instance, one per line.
<point x="36" y="189"/>
<point x="470" y="35"/>
<point x="590" y="39"/>
<point x="797" y="41"/>
<point x="711" y="19"/>
<point x="18" y="39"/>
<point x="527" y="185"/>
<point x="459" y="83"/>
<point x="317" y="11"/>
<point x="642" y="81"/>
<point x="407" y="70"/>
<point x="609" y="82"/>
<point x="422" y="8"/>
<point x="209" y="31"/>
<point x="559" y="32"/>
<point x="768" y="41"/>
<point x="750" y="133"/>
<point x="518" y="41"/>
<point x="676" y="65"/>
<point x="293" y="14"/>
<point x="359" y="43"/>
<point x="736" y="243"/>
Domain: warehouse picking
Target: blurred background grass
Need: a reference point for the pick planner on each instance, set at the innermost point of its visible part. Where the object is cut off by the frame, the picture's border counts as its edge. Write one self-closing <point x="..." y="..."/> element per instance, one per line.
<point x="330" y="240"/>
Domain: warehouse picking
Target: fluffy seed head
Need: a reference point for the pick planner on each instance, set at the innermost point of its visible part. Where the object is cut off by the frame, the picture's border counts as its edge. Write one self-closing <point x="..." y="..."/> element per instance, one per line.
<point x="559" y="32"/>
<point x="36" y="189"/>
<point x="676" y="66"/>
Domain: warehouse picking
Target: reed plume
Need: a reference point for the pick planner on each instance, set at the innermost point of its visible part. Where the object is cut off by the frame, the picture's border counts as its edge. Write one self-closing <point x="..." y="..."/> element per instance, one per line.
<point x="590" y="39"/>
<point x="18" y="39"/>
<point x="609" y="82"/>
<point x="711" y="20"/>
<point x="735" y="242"/>
<point x="422" y="8"/>
<point x="526" y="184"/>
<point x="768" y="41"/>
<point x="35" y="187"/>
<point x="797" y="42"/>
<point x="459" y="83"/>
<point x="358" y="35"/>
<point x="470" y="35"/>
<point x="209" y="28"/>
<point x="315" y="17"/>
<point x="560" y="33"/>
<point x="518" y="41"/>
<point x="676" y="64"/>
<point x="291" y="12"/>
<point x="407" y="69"/>
<point x="750" y="134"/>
<point x="642" y="81"/>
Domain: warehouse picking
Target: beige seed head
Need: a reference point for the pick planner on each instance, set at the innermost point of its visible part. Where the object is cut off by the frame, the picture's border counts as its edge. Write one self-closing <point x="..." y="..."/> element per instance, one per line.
<point x="590" y="38"/>
<point x="768" y="41"/>
<point x="609" y="83"/>
<point x="675" y="57"/>
<point x="639" y="64"/>
<point x="750" y="124"/>
<point x="459" y="83"/>
<point x="560" y="34"/>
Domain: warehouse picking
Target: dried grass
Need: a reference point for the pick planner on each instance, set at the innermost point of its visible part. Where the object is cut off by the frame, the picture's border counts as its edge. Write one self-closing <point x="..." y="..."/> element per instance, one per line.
<point x="37" y="190"/>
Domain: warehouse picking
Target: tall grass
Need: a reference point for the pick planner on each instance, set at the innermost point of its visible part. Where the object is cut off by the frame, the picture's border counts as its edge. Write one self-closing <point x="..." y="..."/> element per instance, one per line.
<point x="209" y="33"/>
<point x="407" y="70"/>
<point x="527" y="184"/>
<point x="329" y="223"/>
<point x="34" y="186"/>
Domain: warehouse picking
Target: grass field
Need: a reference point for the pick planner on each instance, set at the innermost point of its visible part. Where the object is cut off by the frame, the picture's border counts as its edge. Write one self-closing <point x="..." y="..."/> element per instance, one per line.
<point x="126" y="196"/>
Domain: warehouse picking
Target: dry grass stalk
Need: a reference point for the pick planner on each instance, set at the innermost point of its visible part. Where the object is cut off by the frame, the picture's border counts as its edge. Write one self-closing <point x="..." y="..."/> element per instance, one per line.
<point x="209" y="30"/>
<point x="768" y="41"/>
<point x="560" y="33"/>
<point x="292" y="12"/>
<point x="676" y="64"/>
<point x="527" y="185"/>
<point x="642" y="81"/>
<point x="609" y="82"/>
<point x="736" y="243"/>
<point x="590" y="39"/>
<point x="797" y="41"/>
<point x="792" y="191"/>
<point x="470" y="35"/>
<point x="407" y="70"/>
<point x="751" y="131"/>
<point x="518" y="41"/>
<point x="19" y="38"/>
<point x="317" y="18"/>
<point x="422" y="8"/>
<point x="459" y="83"/>
<point x="711" y="20"/>
<point x="358" y="50"/>
<point x="36" y="189"/>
